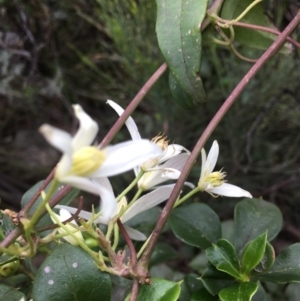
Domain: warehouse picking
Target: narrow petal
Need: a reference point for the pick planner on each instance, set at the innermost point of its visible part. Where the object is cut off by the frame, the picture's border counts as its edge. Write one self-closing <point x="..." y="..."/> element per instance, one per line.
<point x="171" y="151"/>
<point x="108" y="203"/>
<point x="81" y="183"/>
<point x="135" y="234"/>
<point x="147" y="201"/>
<point x="59" y="139"/>
<point x="87" y="131"/>
<point x="171" y="174"/>
<point x="64" y="214"/>
<point x="131" y="125"/>
<point x="212" y="158"/>
<point x="230" y="190"/>
<point x="125" y="156"/>
<point x="83" y="214"/>
<point x="176" y="162"/>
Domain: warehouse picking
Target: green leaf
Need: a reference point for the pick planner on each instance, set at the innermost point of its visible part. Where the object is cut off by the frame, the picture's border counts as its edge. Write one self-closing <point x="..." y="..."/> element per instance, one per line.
<point x="159" y="290"/>
<point x="162" y="253"/>
<point x="249" y="37"/>
<point x="267" y="260"/>
<point x="69" y="274"/>
<point x="214" y="280"/>
<point x="252" y="217"/>
<point x="181" y="97"/>
<point x="196" y="224"/>
<point x="203" y="295"/>
<point x="10" y="294"/>
<point x="253" y="253"/>
<point x="286" y="267"/>
<point x="240" y="292"/>
<point x="179" y="38"/>
<point x="6" y="225"/>
<point x="224" y="258"/>
<point x="45" y="220"/>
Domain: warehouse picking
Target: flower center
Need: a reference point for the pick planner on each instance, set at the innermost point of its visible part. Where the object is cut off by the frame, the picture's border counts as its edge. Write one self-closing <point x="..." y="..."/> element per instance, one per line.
<point x="87" y="160"/>
<point x="214" y="179"/>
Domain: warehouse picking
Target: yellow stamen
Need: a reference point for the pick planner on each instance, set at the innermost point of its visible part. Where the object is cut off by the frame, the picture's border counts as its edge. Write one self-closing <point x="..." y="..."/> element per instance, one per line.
<point x="87" y="160"/>
<point x="214" y="179"/>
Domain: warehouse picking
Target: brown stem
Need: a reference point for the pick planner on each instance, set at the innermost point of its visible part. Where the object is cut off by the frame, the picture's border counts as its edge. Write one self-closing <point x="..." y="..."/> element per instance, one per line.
<point x="73" y="217"/>
<point x="266" y="29"/>
<point x="277" y="44"/>
<point x="128" y="241"/>
<point x="134" y="290"/>
<point x="132" y="106"/>
<point x="38" y="192"/>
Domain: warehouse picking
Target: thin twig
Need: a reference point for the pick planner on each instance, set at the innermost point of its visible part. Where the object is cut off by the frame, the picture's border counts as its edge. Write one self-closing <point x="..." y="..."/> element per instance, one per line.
<point x="134" y="290"/>
<point x="265" y="29"/>
<point x="73" y="217"/>
<point x="128" y="241"/>
<point x="274" y="48"/>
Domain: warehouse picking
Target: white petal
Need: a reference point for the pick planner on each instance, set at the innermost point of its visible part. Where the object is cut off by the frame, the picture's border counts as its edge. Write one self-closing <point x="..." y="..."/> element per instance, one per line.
<point x="125" y="156"/>
<point x="108" y="202"/>
<point x="150" y="179"/>
<point x="83" y="214"/>
<point x="131" y="125"/>
<point x="176" y="162"/>
<point x="171" y="174"/>
<point x="59" y="139"/>
<point x="81" y="183"/>
<point x="203" y="160"/>
<point x="212" y="158"/>
<point x="64" y="215"/>
<point x="230" y="190"/>
<point x="87" y="131"/>
<point x="135" y="234"/>
<point x="172" y="151"/>
<point x="147" y="201"/>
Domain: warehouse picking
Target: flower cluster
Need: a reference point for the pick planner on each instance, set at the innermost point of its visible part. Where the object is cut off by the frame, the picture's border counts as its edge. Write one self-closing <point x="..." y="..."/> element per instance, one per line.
<point x="86" y="167"/>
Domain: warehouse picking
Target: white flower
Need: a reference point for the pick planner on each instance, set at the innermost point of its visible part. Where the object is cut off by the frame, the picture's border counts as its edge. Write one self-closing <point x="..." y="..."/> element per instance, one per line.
<point x="213" y="182"/>
<point x="162" y="168"/>
<point x="81" y="162"/>
<point x="109" y="206"/>
<point x="63" y="216"/>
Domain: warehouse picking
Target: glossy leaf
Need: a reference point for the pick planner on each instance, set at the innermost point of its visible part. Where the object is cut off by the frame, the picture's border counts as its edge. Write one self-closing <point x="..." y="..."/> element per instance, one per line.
<point x="6" y="225"/>
<point x="240" y="292"/>
<point x="179" y="38"/>
<point x="224" y="258"/>
<point x="286" y="267"/>
<point x="252" y="217"/>
<point x="214" y="280"/>
<point x="254" y="253"/>
<point x="10" y="294"/>
<point x="267" y="260"/>
<point x="30" y="193"/>
<point x="161" y="253"/>
<point x="69" y="274"/>
<point x="181" y="97"/>
<point x="204" y="295"/>
<point x="249" y="37"/>
<point x="196" y="224"/>
<point x="159" y="290"/>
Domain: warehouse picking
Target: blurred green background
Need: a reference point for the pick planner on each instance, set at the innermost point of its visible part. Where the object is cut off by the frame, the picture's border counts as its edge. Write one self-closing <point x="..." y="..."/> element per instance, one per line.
<point x="57" y="53"/>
